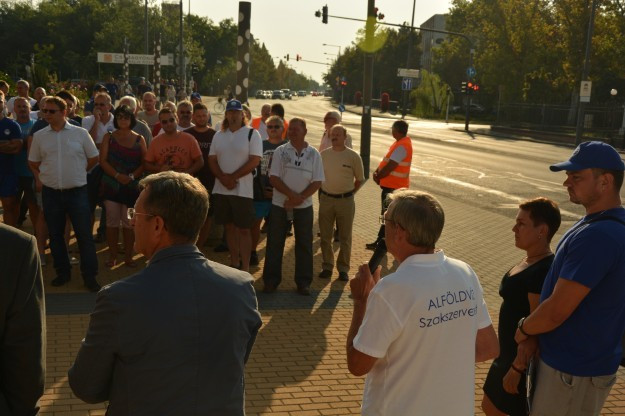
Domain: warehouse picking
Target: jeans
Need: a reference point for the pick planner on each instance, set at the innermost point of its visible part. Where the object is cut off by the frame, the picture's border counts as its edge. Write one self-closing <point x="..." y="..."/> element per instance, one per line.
<point x="57" y="205"/>
<point x="276" y="236"/>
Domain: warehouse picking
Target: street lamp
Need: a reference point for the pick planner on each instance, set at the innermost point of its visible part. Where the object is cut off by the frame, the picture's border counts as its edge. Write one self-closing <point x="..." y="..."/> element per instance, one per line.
<point x="336" y="46"/>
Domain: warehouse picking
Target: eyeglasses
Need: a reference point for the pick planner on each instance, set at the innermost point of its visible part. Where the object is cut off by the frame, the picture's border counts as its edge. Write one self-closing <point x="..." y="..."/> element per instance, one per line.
<point x="132" y="212"/>
<point x="165" y="121"/>
<point x="49" y="111"/>
<point x="384" y="220"/>
<point x="274" y="127"/>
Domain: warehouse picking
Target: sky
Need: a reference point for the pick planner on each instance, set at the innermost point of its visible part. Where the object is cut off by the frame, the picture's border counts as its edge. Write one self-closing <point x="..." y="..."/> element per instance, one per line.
<point x="290" y="26"/>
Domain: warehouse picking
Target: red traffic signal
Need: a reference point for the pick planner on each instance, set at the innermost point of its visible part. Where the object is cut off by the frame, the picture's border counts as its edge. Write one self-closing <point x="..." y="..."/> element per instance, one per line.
<point x="297" y="57"/>
<point x="379" y="15"/>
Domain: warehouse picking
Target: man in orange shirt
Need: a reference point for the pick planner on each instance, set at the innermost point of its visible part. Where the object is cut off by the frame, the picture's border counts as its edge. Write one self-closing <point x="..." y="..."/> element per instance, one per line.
<point x="259" y="122"/>
<point x="173" y="149"/>
<point x="394" y="169"/>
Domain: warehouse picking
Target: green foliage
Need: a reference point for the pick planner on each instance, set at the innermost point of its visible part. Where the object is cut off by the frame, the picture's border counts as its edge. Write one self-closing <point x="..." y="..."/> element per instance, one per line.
<point x="430" y="96"/>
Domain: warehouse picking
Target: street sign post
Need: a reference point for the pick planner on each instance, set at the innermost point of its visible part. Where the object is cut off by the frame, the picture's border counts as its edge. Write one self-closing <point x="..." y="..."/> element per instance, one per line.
<point x="133" y="59"/>
<point x="406" y="84"/>
<point x="407" y="73"/>
<point x="584" y="91"/>
<point x="471" y="72"/>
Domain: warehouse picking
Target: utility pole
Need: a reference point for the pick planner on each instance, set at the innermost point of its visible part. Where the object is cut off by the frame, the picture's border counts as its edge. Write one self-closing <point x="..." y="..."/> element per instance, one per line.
<point x="365" y="132"/>
<point x="579" y="130"/>
<point x="147" y="44"/>
<point x="405" y="96"/>
<point x="183" y="70"/>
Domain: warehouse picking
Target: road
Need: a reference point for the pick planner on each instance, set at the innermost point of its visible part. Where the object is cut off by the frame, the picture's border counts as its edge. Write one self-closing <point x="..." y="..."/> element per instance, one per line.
<point x="492" y="173"/>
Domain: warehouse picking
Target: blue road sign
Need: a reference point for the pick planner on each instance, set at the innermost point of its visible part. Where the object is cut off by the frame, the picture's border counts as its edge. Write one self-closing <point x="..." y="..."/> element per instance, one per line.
<point x="471" y="72"/>
<point x="341" y="108"/>
<point x="406" y="84"/>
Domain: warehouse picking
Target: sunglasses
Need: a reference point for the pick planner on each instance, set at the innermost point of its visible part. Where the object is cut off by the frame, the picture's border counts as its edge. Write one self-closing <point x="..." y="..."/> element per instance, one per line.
<point x="165" y="121"/>
<point x="49" y="111"/>
<point x="274" y="127"/>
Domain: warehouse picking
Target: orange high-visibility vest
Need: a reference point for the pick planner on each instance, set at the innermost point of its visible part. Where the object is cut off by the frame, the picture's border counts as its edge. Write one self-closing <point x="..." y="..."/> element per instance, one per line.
<point x="400" y="176"/>
<point x="256" y="122"/>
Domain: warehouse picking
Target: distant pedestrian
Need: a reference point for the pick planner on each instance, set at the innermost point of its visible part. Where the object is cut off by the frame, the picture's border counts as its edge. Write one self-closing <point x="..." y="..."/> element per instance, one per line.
<point x="174" y="338"/>
<point x="418" y="332"/>
<point x="149" y="114"/>
<point x="580" y="320"/>
<point x="22" y="324"/>
<point x="296" y="174"/>
<point x="344" y="174"/>
<point x="11" y="143"/>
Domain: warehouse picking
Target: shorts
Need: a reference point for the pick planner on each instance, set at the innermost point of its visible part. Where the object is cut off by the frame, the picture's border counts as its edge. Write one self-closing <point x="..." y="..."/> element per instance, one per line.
<point x="116" y="214"/>
<point x="26" y="188"/>
<point x="8" y="185"/>
<point x="262" y="209"/>
<point x="232" y="209"/>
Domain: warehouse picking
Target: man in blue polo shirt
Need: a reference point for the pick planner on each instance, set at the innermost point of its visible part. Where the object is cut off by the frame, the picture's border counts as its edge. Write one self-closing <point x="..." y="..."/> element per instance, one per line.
<point x="581" y="318"/>
<point x="10" y="144"/>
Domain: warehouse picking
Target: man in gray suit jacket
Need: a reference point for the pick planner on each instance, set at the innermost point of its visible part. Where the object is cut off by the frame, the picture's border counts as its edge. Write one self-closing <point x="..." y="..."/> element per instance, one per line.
<point x="174" y="338"/>
<point x="22" y="324"/>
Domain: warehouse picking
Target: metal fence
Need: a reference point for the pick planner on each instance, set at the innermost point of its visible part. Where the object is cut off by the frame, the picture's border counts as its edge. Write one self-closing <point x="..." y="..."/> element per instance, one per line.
<point x="606" y="121"/>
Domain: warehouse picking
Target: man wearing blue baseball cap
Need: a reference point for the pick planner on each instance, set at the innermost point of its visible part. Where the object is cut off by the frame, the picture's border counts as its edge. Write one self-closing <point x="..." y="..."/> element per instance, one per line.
<point x="580" y="321"/>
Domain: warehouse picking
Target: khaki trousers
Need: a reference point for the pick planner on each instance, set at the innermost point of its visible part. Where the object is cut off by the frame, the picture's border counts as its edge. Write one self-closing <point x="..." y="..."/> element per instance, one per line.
<point x="341" y="211"/>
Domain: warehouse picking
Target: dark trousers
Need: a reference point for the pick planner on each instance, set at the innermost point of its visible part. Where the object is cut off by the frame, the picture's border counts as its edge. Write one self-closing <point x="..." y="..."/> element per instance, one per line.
<point x="57" y="205"/>
<point x="385" y="192"/>
<point x="276" y="236"/>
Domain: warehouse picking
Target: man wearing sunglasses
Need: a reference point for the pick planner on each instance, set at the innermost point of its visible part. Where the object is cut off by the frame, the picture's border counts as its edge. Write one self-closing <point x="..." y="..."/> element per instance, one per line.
<point x="60" y="156"/>
<point x="173" y="149"/>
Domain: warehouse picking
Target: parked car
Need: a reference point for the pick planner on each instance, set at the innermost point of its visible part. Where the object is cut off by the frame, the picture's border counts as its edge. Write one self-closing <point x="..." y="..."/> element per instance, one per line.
<point x="287" y="93"/>
<point x="260" y="94"/>
<point x="277" y="95"/>
<point x="301" y="93"/>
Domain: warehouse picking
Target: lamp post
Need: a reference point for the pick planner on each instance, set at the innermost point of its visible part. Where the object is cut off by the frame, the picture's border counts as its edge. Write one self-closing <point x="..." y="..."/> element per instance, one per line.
<point x="405" y="93"/>
<point x="336" y="46"/>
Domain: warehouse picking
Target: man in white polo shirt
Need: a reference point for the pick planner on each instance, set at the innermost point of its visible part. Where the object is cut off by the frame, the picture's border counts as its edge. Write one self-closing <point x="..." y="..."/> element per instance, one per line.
<point x="418" y="332"/>
<point x="296" y="173"/>
<point x="233" y="155"/>
<point x="60" y="156"/>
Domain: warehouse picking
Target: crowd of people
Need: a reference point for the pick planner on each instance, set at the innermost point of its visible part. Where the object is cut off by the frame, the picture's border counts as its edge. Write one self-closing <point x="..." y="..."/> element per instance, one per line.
<point x="164" y="176"/>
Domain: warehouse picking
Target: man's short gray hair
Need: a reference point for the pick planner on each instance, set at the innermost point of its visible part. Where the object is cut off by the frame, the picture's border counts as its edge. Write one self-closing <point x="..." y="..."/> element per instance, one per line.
<point x="334" y="114"/>
<point x="420" y="214"/>
<point x="130" y="101"/>
<point x="180" y="200"/>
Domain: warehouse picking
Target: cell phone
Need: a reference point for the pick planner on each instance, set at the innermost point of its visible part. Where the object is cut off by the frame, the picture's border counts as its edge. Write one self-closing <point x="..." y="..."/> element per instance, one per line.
<point x="377" y="256"/>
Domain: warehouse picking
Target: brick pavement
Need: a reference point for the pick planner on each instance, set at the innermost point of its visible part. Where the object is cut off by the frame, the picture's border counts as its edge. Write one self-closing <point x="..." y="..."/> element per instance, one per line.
<point x="297" y="366"/>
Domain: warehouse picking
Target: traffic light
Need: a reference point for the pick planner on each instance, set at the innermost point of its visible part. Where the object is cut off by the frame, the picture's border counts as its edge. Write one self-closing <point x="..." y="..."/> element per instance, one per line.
<point x="287" y="56"/>
<point x="470" y="87"/>
<point x="476" y="88"/>
<point x="380" y="16"/>
<point x="463" y="87"/>
<point x="324" y="14"/>
<point x="343" y="82"/>
<point x="194" y="70"/>
<point x="297" y="58"/>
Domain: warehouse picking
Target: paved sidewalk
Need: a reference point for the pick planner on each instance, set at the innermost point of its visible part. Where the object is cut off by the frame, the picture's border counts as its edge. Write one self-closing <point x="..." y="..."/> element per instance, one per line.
<point x="297" y="367"/>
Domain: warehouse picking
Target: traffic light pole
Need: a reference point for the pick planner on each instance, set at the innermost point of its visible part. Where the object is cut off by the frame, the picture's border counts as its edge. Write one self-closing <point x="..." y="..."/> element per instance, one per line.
<point x="468" y="109"/>
<point x="365" y="130"/>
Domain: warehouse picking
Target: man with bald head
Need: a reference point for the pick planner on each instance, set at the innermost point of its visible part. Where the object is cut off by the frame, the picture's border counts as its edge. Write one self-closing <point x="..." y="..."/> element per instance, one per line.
<point x="331" y="119"/>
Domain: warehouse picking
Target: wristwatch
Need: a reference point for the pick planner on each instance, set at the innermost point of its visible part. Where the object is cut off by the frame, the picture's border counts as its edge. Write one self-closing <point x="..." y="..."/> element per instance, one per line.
<point x="520" y="326"/>
<point x="131" y="176"/>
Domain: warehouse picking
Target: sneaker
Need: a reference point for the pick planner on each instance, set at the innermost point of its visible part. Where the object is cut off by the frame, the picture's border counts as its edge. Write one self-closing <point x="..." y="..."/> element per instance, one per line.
<point x="325" y="274"/>
<point x="254" y="259"/>
<point x="343" y="277"/>
<point x="73" y="260"/>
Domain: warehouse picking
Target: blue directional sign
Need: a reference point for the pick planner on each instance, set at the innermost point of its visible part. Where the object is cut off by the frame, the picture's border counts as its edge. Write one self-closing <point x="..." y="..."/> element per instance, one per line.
<point x="471" y="72"/>
<point x="406" y="84"/>
<point x="341" y="108"/>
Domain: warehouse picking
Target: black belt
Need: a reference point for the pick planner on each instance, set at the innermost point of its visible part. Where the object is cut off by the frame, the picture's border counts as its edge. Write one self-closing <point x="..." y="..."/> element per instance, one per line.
<point x="345" y="195"/>
<point x="65" y="189"/>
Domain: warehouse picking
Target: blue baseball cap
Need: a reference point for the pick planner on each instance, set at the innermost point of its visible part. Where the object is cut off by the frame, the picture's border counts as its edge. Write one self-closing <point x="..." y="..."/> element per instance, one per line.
<point x="196" y="95"/>
<point x="590" y="155"/>
<point x="234" y="105"/>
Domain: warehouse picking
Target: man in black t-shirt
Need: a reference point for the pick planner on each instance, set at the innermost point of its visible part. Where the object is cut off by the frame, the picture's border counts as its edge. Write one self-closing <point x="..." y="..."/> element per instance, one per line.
<point x="204" y="136"/>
